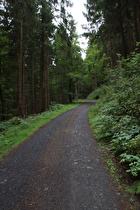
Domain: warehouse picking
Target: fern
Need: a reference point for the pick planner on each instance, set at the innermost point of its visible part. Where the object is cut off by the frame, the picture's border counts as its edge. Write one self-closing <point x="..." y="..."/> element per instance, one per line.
<point x="135" y="187"/>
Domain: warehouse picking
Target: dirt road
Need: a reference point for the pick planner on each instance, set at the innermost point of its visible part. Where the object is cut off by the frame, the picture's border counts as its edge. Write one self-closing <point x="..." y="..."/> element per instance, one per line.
<point x="60" y="168"/>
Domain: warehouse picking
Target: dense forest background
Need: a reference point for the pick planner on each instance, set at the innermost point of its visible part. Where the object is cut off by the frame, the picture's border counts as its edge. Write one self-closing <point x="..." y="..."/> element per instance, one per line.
<point x="40" y="57"/>
<point x="41" y="64"/>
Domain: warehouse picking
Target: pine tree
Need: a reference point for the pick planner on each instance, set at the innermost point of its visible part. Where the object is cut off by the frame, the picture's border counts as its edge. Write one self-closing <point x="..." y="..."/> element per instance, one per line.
<point x="115" y="27"/>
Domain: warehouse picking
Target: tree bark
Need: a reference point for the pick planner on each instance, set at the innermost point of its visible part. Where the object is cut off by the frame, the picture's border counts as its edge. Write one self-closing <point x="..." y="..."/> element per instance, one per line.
<point x="96" y="84"/>
<point x="46" y="81"/>
<point x="41" y="67"/>
<point x="63" y="95"/>
<point x="76" y="92"/>
<point x="23" y="87"/>
<point x="48" y="89"/>
<point x="57" y="91"/>
<point x="1" y="95"/>
<point x="134" y="5"/>
<point x="122" y="31"/>
<point x="111" y="50"/>
<point x="33" y="84"/>
<point x="138" y="12"/>
<point x="70" y="80"/>
<point x="20" y="76"/>
<point x="130" y="36"/>
<point x="70" y="90"/>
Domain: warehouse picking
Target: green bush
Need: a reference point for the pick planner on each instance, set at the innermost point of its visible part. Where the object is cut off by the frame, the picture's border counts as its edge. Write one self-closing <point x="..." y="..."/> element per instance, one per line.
<point x="100" y="92"/>
<point x="133" y="161"/>
<point x="3" y="126"/>
<point x="17" y="130"/>
<point x="15" y="121"/>
<point x="55" y="106"/>
<point x="135" y="187"/>
<point x="115" y="117"/>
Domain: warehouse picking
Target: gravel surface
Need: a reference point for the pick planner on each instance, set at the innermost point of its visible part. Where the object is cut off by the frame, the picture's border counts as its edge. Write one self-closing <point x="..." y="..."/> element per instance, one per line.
<point x="59" y="167"/>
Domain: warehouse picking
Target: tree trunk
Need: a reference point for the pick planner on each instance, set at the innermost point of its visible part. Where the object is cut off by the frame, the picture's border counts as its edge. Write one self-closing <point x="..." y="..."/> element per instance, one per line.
<point x="41" y="68"/>
<point x="57" y="91"/>
<point x="48" y="88"/>
<point x="111" y="50"/>
<point x="23" y="86"/>
<point x="96" y="84"/>
<point x="1" y="96"/>
<point x="63" y="95"/>
<point x="70" y="90"/>
<point x="76" y="92"/>
<point x="46" y="82"/>
<point x="134" y="5"/>
<point x="138" y="12"/>
<point x="124" y="50"/>
<point x="33" y="84"/>
<point x="79" y="90"/>
<point x="20" y="76"/>
<point x="130" y="36"/>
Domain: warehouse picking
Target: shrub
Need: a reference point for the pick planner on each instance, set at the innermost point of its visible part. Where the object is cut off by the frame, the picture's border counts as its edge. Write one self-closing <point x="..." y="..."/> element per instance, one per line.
<point x="15" y="121"/>
<point x="100" y="92"/>
<point x="55" y="106"/>
<point x="133" y="161"/>
<point x="115" y="117"/>
<point x="135" y="187"/>
<point x="3" y="126"/>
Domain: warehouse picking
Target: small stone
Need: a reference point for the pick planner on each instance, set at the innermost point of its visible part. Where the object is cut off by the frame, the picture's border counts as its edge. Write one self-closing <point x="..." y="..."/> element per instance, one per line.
<point x="46" y="189"/>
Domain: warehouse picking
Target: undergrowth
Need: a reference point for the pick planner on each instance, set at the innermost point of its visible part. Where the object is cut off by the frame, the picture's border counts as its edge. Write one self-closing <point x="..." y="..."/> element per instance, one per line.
<point x="16" y="130"/>
<point x="115" y="118"/>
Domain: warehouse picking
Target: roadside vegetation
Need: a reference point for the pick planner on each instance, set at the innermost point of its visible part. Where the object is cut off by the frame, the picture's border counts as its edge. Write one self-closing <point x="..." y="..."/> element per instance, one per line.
<point x="115" y="119"/>
<point x="16" y="130"/>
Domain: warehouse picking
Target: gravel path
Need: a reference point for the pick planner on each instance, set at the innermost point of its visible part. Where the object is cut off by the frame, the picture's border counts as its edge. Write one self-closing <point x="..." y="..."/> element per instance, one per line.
<point x="58" y="168"/>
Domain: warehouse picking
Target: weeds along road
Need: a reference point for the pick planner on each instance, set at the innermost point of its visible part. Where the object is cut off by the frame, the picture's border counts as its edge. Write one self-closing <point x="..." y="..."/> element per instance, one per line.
<point x="59" y="167"/>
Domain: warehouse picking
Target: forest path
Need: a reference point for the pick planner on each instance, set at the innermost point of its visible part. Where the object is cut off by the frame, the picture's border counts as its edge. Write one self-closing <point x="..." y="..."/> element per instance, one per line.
<point x="59" y="167"/>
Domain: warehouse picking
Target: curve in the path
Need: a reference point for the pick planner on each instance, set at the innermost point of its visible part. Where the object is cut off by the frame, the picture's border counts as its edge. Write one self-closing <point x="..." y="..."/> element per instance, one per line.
<point x="58" y="168"/>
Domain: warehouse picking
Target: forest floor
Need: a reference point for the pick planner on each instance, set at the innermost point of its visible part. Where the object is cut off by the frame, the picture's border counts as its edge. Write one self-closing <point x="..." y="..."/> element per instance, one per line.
<point x="59" y="167"/>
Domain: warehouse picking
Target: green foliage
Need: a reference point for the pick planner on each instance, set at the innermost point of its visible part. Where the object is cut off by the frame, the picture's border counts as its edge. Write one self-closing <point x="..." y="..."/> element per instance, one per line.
<point x="49" y="49"/>
<point x="15" y="120"/>
<point x="55" y="106"/>
<point x="114" y="21"/>
<point x="133" y="161"/>
<point x="135" y="187"/>
<point x="95" y="65"/>
<point x="78" y="101"/>
<point x="100" y="92"/>
<point x="3" y="126"/>
<point x="116" y="115"/>
<point x="17" y="130"/>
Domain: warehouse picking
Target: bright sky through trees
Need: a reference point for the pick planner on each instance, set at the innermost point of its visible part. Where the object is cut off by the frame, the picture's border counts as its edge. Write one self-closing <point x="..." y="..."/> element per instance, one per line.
<point x="77" y="12"/>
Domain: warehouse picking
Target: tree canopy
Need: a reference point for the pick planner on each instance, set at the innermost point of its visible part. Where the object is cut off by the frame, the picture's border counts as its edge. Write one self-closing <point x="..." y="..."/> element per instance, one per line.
<point x="115" y="24"/>
<point x="40" y="57"/>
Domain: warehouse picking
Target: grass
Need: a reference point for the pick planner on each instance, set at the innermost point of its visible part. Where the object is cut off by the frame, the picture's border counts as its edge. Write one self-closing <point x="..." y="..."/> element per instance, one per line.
<point x="79" y="101"/>
<point x="17" y="130"/>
